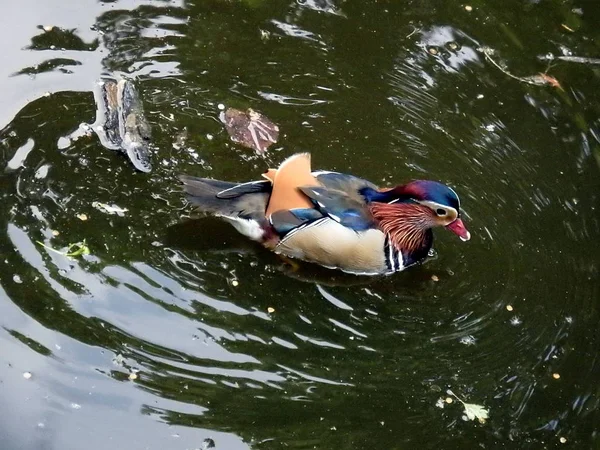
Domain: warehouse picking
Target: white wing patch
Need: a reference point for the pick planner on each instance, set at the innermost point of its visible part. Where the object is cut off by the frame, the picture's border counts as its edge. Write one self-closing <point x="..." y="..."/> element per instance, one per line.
<point x="247" y="227"/>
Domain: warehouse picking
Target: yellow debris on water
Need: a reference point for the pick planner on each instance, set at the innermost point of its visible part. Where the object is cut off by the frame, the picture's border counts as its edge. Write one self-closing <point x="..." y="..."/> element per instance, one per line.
<point x="82" y="217"/>
<point x="566" y="27"/>
<point x="449" y="400"/>
<point x="468" y="8"/>
<point x="270" y="310"/>
<point x="435" y="278"/>
<point x="556" y="376"/>
<point x="563" y="439"/>
<point x="509" y="307"/>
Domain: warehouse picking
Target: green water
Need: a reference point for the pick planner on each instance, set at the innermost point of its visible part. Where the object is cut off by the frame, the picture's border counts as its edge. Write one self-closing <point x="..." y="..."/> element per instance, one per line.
<point x="342" y="362"/>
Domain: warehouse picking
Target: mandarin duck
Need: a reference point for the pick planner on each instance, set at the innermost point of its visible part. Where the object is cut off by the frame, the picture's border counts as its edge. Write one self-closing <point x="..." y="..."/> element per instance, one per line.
<point x="333" y="219"/>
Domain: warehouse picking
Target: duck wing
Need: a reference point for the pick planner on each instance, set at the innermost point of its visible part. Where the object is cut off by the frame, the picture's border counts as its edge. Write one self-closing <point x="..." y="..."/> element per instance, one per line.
<point x="301" y="197"/>
<point x="349" y="184"/>
<point x="234" y="190"/>
<point x="348" y="209"/>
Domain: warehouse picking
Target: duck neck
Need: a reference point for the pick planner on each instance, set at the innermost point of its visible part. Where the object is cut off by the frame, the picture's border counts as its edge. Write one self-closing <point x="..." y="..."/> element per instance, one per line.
<point x="407" y="226"/>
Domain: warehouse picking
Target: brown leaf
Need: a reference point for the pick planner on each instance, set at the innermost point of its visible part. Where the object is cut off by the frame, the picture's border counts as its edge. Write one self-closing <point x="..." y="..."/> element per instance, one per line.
<point x="250" y="129"/>
<point x="550" y="80"/>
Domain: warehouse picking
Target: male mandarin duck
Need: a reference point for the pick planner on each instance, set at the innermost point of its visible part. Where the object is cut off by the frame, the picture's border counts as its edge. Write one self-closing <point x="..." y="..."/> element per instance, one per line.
<point x="333" y="219"/>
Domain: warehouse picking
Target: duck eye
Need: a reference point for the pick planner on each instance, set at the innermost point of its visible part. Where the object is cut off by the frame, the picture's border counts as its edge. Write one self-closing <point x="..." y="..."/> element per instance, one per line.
<point x="440" y="212"/>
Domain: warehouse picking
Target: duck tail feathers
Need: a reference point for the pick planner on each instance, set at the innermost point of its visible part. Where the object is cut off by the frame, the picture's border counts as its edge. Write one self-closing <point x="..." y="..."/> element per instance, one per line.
<point x="223" y="198"/>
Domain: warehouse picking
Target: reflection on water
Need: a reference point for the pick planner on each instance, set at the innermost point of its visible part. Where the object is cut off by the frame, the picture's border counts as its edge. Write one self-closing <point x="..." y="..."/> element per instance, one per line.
<point x="175" y="332"/>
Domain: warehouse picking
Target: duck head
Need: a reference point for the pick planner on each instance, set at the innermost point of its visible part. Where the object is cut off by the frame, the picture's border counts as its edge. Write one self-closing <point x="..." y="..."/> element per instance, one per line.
<point x="442" y="201"/>
<point x="419" y="206"/>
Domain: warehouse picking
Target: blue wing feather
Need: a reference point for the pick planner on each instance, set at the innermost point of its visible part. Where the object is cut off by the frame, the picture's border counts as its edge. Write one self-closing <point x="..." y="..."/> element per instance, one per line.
<point x="341" y="207"/>
<point x="285" y="221"/>
<point x="343" y="182"/>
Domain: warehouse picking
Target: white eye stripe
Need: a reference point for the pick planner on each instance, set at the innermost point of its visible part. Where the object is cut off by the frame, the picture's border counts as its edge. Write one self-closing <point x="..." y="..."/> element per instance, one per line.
<point x="457" y="197"/>
<point x="435" y="206"/>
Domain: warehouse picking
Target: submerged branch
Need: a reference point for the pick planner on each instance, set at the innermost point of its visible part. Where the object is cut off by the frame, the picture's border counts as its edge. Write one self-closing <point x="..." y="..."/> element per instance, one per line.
<point x="540" y="79"/>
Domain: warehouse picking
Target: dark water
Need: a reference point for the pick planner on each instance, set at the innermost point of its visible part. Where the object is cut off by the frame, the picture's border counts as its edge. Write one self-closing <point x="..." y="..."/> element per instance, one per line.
<point x="342" y="362"/>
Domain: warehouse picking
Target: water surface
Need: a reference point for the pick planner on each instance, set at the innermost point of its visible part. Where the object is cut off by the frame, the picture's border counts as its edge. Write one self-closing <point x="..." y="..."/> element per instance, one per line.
<point x="162" y="338"/>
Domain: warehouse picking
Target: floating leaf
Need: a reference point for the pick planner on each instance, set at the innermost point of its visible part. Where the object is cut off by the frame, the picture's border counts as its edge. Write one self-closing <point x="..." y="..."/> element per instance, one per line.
<point x="110" y="209"/>
<point x="78" y="249"/>
<point x="472" y="410"/>
<point x="250" y="129"/>
<point x="73" y="250"/>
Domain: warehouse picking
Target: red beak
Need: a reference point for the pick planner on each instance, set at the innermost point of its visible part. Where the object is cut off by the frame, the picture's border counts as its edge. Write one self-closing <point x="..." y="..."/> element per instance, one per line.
<point x="458" y="228"/>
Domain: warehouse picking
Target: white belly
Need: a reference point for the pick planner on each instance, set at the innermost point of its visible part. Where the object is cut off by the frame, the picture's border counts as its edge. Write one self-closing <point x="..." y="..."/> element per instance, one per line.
<point x="330" y="244"/>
